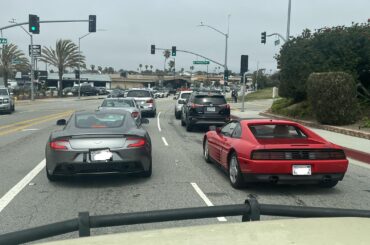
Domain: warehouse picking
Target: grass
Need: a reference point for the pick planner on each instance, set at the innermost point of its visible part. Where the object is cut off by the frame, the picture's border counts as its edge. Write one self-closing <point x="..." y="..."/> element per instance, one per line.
<point x="261" y="94"/>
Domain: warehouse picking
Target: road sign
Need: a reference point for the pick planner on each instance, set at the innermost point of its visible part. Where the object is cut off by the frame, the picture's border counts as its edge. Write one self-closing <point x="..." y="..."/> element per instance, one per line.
<point x="3" y="41"/>
<point x="201" y="62"/>
<point x="36" y="50"/>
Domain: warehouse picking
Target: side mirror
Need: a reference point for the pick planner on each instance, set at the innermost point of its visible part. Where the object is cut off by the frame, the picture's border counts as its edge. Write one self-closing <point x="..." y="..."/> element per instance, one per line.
<point x="61" y="122"/>
<point x="144" y="120"/>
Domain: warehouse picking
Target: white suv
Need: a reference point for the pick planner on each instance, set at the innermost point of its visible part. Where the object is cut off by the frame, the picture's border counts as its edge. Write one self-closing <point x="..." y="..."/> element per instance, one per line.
<point x="180" y="101"/>
<point x="6" y="100"/>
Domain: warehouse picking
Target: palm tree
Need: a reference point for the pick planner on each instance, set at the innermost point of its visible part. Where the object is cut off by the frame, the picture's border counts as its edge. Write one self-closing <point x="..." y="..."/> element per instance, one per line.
<point x="65" y="55"/>
<point x="171" y="64"/>
<point x="166" y="55"/>
<point x="8" y="55"/>
<point x="92" y="67"/>
<point x="151" y="67"/>
<point x="146" y="67"/>
<point x="141" y="65"/>
<point x="100" y="69"/>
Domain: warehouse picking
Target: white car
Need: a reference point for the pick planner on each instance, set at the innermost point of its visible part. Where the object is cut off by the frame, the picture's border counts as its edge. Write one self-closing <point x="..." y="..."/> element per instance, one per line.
<point x="180" y="101"/>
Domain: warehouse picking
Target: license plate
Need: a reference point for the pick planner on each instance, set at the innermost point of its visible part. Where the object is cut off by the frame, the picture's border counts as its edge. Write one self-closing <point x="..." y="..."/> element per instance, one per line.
<point x="101" y="155"/>
<point x="211" y="109"/>
<point x="301" y="170"/>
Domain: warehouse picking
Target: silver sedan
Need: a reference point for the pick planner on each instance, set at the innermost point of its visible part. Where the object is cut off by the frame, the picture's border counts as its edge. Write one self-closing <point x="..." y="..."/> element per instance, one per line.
<point x="127" y="104"/>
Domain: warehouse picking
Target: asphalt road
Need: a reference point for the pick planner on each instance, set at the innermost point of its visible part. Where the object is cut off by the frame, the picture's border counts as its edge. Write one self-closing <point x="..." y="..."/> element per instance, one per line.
<point x="181" y="178"/>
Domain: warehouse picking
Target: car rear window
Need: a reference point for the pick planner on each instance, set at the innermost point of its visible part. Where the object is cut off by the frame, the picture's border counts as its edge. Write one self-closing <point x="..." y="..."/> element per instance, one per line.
<point x="138" y="93"/>
<point x="185" y="95"/>
<point x="3" y="92"/>
<point x="118" y="103"/>
<point x="99" y="120"/>
<point x="276" y="131"/>
<point x="206" y="100"/>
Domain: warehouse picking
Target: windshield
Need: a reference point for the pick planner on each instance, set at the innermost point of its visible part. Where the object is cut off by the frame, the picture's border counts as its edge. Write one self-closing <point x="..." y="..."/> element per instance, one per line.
<point x="106" y="120"/>
<point x="185" y="96"/>
<point x="118" y="103"/>
<point x="138" y="93"/>
<point x="3" y="92"/>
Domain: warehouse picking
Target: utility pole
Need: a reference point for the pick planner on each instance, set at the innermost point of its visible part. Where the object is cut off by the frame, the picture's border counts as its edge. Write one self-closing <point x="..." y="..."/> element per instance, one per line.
<point x="288" y="24"/>
<point x="243" y="95"/>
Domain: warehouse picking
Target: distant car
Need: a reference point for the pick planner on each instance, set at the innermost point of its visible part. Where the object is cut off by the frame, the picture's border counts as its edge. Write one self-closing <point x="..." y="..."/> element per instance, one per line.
<point x="205" y="108"/>
<point x="159" y="94"/>
<point x="6" y="100"/>
<point x="181" y="100"/>
<point x="274" y="151"/>
<point x="127" y="104"/>
<point x="102" y="91"/>
<point x="103" y="141"/>
<point x="87" y="90"/>
<point x="117" y="93"/>
<point x="145" y="99"/>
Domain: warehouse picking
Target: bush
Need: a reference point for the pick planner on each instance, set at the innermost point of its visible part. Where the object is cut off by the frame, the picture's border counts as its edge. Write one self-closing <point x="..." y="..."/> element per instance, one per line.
<point x="332" y="96"/>
<point x="287" y="108"/>
<point x="280" y="104"/>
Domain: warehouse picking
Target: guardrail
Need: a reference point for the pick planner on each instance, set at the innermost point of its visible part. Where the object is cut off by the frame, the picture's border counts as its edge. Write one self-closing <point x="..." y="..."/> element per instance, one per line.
<point x="251" y="210"/>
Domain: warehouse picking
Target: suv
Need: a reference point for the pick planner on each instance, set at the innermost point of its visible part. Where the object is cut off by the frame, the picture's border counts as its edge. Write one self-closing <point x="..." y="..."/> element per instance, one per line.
<point x="205" y="109"/>
<point x="87" y="90"/>
<point x="145" y="99"/>
<point x="180" y="101"/>
<point x="6" y="100"/>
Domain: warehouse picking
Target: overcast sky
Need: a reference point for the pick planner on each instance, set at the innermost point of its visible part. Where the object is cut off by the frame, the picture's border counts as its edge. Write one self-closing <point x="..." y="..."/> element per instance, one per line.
<point x="132" y="26"/>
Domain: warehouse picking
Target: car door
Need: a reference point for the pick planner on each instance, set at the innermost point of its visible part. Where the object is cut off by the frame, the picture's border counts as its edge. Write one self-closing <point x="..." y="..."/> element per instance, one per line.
<point x="226" y="141"/>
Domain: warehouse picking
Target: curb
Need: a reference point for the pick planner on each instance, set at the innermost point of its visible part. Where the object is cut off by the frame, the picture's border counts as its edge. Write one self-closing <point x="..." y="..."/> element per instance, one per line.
<point x="351" y="153"/>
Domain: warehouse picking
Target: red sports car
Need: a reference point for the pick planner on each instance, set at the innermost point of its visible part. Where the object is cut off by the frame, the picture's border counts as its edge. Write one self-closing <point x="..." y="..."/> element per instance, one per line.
<point x="275" y="151"/>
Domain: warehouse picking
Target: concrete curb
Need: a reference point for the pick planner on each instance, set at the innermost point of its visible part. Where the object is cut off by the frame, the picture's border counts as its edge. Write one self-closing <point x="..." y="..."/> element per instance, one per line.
<point x="351" y="153"/>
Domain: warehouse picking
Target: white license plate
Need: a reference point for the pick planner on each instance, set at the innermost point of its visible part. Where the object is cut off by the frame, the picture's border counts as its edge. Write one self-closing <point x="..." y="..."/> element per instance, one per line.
<point x="301" y="170"/>
<point x="101" y="155"/>
<point x="211" y="109"/>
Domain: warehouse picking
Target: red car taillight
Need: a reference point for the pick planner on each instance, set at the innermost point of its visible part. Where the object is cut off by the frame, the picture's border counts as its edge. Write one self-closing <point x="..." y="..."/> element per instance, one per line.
<point x="136" y="142"/>
<point x="298" y="155"/>
<point x="195" y="105"/>
<point x="150" y="101"/>
<point x="59" y="145"/>
<point x="227" y="106"/>
<point x="135" y="114"/>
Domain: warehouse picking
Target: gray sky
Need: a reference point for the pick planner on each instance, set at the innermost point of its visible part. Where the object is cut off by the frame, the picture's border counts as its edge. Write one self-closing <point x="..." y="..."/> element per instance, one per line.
<point x="132" y="26"/>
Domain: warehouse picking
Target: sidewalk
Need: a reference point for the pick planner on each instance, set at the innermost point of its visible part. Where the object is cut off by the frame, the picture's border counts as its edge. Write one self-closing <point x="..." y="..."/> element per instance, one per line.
<point x="355" y="147"/>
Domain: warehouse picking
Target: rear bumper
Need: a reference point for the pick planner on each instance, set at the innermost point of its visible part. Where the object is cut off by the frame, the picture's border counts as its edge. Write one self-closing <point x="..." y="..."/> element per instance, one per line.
<point x="288" y="179"/>
<point x="5" y="107"/>
<point x="208" y="120"/>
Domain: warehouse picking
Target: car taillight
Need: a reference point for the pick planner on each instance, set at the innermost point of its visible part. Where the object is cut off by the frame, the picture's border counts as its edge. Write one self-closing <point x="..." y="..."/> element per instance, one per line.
<point x="135" y="114"/>
<point x="59" y="145"/>
<point x="195" y="105"/>
<point x="260" y="155"/>
<point x="227" y="106"/>
<point x="136" y="142"/>
<point x="150" y="101"/>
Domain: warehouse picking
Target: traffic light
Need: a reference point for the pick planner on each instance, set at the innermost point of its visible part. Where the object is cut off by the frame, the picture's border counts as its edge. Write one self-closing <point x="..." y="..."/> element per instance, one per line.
<point x="243" y="64"/>
<point x="152" y="49"/>
<point x="263" y="37"/>
<point x="92" y="23"/>
<point x="33" y="24"/>
<point x="173" y="50"/>
<point x="77" y="74"/>
<point x="226" y="75"/>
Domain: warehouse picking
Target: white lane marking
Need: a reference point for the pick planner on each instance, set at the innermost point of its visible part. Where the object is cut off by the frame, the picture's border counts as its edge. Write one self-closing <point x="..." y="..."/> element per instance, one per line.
<point x="12" y="193"/>
<point x="159" y="125"/>
<point x="30" y="129"/>
<point x="206" y="200"/>
<point x="164" y="141"/>
<point x="358" y="163"/>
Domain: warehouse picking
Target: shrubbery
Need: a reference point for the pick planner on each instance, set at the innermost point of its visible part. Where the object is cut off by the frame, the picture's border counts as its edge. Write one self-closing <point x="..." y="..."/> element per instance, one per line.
<point x="332" y="96"/>
<point x="287" y="108"/>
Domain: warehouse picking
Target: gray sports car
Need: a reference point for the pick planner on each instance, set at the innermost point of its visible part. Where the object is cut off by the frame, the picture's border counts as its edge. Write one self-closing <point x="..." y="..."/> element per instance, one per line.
<point x="127" y="104"/>
<point x="102" y="141"/>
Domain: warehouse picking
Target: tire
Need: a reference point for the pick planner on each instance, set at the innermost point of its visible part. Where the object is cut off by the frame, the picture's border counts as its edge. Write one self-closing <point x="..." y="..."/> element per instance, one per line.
<point x="206" y="152"/>
<point x="189" y="127"/>
<point x="182" y="121"/>
<point x="147" y="174"/>
<point x="154" y="113"/>
<point x="235" y="175"/>
<point x="13" y="108"/>
<point x="329" y="184"/>
<point x="177" y="115"/>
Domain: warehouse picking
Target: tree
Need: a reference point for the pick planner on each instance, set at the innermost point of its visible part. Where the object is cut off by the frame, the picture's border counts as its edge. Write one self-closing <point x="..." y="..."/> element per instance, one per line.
<point x="8" y="55"/>
<point x="105" y="70"/>
<point x="171" y="64"/>
<point x="146" y="67"/>
<point x="110" y="70"/>
<point x="65" y="55"/>
<point x="92" y="67"/>
<point x="166" y="54"/>
<point x="100" y="69"/>
<point x="151" y="67"/>
<point x="182" y="70"/>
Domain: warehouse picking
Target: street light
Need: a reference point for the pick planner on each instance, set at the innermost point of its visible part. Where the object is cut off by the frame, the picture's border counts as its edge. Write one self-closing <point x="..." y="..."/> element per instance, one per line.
<point x="224" y="34"/>
<point x="79" y="52"/>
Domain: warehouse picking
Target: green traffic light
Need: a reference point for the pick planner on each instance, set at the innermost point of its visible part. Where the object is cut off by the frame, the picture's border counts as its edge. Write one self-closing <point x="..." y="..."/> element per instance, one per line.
<point x="33" y="28"/>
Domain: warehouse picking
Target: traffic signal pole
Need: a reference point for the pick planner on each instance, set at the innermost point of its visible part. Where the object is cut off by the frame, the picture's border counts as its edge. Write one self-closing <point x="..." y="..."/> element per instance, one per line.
<point x="243" y="95"/>
<point x="32" y="70"/>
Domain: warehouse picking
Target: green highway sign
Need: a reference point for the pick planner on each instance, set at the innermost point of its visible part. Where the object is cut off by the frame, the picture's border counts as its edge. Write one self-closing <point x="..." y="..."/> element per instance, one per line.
<point x="3" y="41"/>
<point x="201" y="62"/>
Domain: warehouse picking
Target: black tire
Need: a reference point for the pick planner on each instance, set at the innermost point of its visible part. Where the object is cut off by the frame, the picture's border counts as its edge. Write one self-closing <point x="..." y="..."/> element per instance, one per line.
<point x="182" y="121"/>
<point x="177" y="115"/>
<point x="329" y="184"/>
<point x="13" y="108"/>
<point x="189" y="126"/>
<point x="235" y="175"/>
<point x="154" y="113"/>
<point x="205" y="152"/>
<point x="147" y="174"/>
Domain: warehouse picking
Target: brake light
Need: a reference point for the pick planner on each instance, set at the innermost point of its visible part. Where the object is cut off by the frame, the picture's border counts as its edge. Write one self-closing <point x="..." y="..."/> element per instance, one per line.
<point x="150" y="101"/>
<point x="136" y="142"/>
<point x="260" y="155"/>
<point x="195" y="105"/>
<point x="135" y="114"/>
<point x="59" y="145"/>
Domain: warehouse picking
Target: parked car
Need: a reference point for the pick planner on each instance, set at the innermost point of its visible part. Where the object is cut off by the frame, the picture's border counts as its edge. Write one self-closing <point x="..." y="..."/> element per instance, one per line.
<point x="145" y="99"/>
<point x="6" y="100"/>
<point x="274" y="151"/>
<point x="68" y="91"/>
<point x="87" y="90"/>
<point x="205" y="108"/>
<point x="181" y="100"/>
<point x="127" y="104"/>
<point x="101" y="141"/>
<point x="116" y="93"/>
<point x="102" y="91"/>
